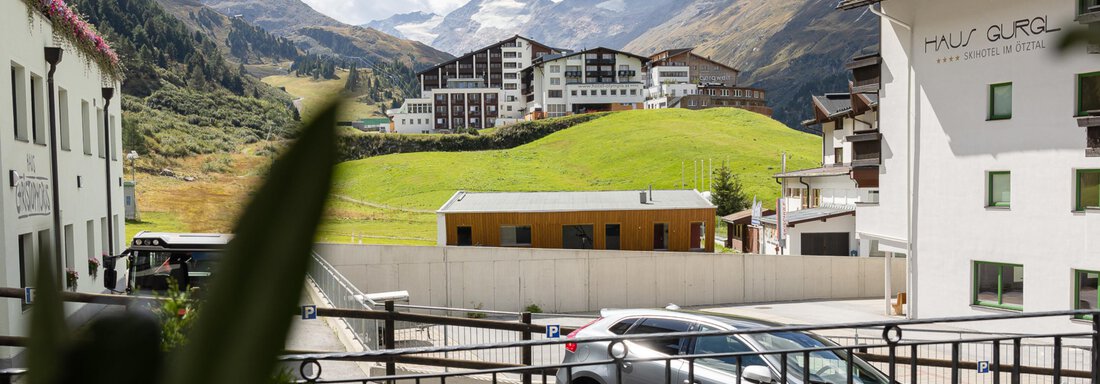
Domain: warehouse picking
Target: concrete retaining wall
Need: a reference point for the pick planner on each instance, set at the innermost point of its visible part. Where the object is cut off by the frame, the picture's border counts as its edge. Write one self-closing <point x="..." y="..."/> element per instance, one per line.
<point x="556" y="280"/>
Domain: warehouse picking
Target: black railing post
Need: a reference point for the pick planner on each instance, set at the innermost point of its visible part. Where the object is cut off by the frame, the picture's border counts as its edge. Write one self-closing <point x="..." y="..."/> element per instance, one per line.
<point x="783" y="367"/>
<point x="806" y="367"/>
<point x="851" y="370"/>
<point x="525" y="318"/>
<point x="1016" y="360"/>
<point x="1057" y="359"/>
<point x="913" y="364"/>
<point x="955" y="362"/>
<point x="996" y="368"/>
<point x="1096" y="348"/>
<point x="893" y="363"/>
<point x="388" y="338"/>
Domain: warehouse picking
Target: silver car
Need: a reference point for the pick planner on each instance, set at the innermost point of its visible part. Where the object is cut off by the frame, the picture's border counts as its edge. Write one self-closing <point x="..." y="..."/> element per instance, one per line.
<point x="826" y="367"/>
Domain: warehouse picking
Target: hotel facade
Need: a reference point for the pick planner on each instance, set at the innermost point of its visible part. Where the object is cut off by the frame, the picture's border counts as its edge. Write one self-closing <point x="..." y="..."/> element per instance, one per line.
<point x="990" y="176"/>
<point x="88" y="181"/>
<point x="678" y="78"/>
<point x="592" y="80"/>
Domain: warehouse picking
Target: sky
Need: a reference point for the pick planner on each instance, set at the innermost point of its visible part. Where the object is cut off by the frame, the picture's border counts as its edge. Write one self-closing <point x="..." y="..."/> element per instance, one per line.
<point x="358" y="12"/>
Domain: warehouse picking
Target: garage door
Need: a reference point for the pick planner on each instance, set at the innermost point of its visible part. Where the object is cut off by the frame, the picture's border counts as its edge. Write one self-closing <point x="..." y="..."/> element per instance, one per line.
<point x="825" y="244"/>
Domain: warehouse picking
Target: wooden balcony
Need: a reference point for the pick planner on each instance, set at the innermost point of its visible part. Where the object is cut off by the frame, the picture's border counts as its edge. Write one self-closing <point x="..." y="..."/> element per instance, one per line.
<point x="866" y="149"/>
<point x="1091" y="123"/>
<point x="866" y="73"/>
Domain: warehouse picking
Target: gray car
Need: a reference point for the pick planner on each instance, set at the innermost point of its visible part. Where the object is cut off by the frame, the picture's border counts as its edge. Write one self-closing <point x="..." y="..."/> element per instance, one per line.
<point x="826" y="367"/>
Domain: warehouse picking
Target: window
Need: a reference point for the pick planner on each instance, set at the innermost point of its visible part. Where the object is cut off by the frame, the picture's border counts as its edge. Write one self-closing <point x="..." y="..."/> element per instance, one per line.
<point x="19" y="102"/>
<point x="720" y="345"/>
<point x="554" y="93"/>
<point x="70" y="249"/>
<point x="515" y="236"/>
<point x="100" y="143"/>
<point x="573" y="92"/>
<point x="660" y="236"/>
<point x="577" y="237"/>
<point x="103" y="232"/>
<point x="38" y="113"/>
<point x="510" y="86"/>
<point x="621" y="327"/>
<point x="838" y="155"/>
<point x="1088" y="93"/>
<point x="63" y="111"/>
<point x="584" y="93"/>
<point x="668" y="346"/>
<point x="90" y="233"/>
<point x="633" y="92"/>
<point x="603" y="92"/>
<point x="1088" y="189"/>
<point x="1000" y="101"/>
<point x="999" y="285"/>
<point x="1000" y="188"/>
<point x="26" y="261"/>
<point x="698" y="232"/>
<point x="465" y="236"/>
<point x="555" y="68"/>
<point x="511" y="65"/>
<point x="86" y="126"/>
<point x="555" y="81"/>
<point x="611" y="236"/>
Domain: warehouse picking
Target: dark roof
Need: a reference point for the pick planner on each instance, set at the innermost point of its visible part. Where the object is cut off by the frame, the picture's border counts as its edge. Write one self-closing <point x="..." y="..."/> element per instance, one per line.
<point x="744" y="216"/>
<point x="853" y="4"/>
<point x="817" y="172"/>
<point x="468" y="54"/>
<point x="670" y="52"/>
<point x="812" y="214"/>
<point x="680" y="51"/>
<point x="834" y="104"/>
<point x="546" y="58"/>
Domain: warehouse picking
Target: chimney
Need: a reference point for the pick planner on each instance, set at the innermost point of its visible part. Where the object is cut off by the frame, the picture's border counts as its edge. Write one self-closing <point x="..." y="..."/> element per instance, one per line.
<point x="642" y="197"/>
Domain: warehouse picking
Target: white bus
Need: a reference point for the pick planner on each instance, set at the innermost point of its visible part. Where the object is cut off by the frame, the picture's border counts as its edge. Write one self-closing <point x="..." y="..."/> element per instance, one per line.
<point x="155" y="257"/>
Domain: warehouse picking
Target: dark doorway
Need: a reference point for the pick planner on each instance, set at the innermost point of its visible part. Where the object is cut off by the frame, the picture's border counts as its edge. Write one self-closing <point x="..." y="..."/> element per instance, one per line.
<point x="825" y="244"/>
<point x="611" y="236"/>
<point x="576" y="236"/>
<point x="465" y="236"/>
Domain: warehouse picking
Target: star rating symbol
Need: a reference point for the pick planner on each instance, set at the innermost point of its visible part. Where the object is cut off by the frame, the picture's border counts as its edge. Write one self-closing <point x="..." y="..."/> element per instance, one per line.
<point x="947" y="59"/>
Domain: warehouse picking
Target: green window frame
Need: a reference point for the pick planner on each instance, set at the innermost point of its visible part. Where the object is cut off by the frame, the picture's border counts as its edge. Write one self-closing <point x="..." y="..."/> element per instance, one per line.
<point x="992" y="200"/>
<point x="1087" y="194"/>
<point x="1081" y="276"/>
<point x="983" y="298"/>
<point x="1081" y="109"/>
<point x="994" y="112"/>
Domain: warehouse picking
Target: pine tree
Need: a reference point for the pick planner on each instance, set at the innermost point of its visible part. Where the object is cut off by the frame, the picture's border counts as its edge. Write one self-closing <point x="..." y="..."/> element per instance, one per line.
<point x="728" y="195"/>
<point x="353" y="79"/>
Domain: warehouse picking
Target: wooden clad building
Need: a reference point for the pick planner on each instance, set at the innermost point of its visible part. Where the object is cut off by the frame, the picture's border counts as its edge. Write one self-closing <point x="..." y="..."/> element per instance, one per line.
<point x="663" y="220"/>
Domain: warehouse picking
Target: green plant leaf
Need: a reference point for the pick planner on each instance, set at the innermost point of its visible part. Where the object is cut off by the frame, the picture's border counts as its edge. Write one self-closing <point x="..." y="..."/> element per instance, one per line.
<point x="119" y="348"/>
<point x="247" y="313"/>
<point x="48" y="335"/>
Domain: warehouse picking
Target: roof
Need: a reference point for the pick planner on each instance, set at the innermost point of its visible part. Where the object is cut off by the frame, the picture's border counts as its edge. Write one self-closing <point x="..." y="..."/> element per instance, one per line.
<point x="467" y="54"/>
<point x="836" y="170"/>
<point x="813" y="214"/>
<point x="375" y="120"/>
<point x="186" y="238"/>
<point x="834" y="104"/>
<point x="471" y="202"/>
<point x="744" y="216"/>
<point x="552" y="57"/>
<point x="853" y="4"/>
<point x="681" y="51"/>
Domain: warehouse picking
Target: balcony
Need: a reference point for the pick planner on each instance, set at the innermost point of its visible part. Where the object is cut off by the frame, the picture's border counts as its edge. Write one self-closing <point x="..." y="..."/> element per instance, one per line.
<point x="866" y="73"/>
<point x="866" y="149"/>
<point x="599" y="61"/>
<point x="572" y="73"/>
<point x="628" y="73"/>
<point x="1091" y="123"/>
<point x="1088" y="11"/>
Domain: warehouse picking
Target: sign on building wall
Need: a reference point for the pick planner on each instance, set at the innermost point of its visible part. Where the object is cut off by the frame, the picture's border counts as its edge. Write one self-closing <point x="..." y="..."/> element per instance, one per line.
<point x="1011" y="37"/>
<point x="32" y="192"/>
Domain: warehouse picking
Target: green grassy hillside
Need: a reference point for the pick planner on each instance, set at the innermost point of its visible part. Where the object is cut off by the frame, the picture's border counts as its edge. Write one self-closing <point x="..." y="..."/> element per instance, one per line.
<point x="626" y="150"/>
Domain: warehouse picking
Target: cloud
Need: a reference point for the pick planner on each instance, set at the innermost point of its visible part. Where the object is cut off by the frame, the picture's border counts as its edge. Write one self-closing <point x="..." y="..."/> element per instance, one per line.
<point x="362" y="11"/>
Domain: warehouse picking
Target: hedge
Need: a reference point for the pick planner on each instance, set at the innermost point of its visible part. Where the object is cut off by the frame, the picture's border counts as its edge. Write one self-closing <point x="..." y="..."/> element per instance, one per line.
<point x="355" y="147"/>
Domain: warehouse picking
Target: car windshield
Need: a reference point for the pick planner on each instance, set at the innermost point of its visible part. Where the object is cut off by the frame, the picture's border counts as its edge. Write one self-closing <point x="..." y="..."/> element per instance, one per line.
<point x="826" y="367"/>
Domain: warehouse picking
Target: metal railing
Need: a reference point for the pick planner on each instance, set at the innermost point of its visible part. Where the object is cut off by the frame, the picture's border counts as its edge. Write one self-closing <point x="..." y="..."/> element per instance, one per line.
<point x="899" y="359"/>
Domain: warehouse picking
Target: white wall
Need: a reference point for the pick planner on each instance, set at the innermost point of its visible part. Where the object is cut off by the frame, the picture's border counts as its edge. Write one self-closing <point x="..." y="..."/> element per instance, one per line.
<point x="578" y="280"/>
<point x="1041" y="145"/>
<point x="26" y="34"/>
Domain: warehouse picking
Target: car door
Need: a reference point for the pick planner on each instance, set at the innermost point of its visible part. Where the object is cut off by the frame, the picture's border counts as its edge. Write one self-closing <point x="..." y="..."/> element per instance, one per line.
<point x="653" y="372"/>
<point x="721" y="370"/>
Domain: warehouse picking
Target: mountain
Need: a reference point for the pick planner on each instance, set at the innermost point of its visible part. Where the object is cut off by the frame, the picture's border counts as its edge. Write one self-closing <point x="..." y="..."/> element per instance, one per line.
<point x="413" y="26"/>
<point x="791" y="48"/>
<point x="242" y="41"/>
<point x="316" y="33"/>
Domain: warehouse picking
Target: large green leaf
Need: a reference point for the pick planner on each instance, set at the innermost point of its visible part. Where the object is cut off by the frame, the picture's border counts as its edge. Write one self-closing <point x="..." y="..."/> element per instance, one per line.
<point x="117" y="348"/>
<point x="247" y="313"/>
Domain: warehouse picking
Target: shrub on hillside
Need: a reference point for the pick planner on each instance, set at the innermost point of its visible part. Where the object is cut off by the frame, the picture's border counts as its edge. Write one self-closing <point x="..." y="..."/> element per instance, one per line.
<point x="354" y="147"/>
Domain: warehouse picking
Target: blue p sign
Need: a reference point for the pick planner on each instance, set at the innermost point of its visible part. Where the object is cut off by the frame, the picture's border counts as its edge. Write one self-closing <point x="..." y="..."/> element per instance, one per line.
<point x="553" y="331"/>
<point x="983" y="367"/>
<point x="28" y="295"/>
<point x="309" y="312"/>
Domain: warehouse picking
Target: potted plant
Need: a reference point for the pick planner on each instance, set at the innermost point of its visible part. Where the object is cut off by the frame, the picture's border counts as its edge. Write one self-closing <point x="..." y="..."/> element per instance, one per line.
<point x="71" y="278"/>
<point x="93" y="268"/>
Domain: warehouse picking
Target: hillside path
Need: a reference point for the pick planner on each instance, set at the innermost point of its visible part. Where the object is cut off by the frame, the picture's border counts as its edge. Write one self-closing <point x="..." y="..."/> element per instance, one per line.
<point x="380" y="206"/>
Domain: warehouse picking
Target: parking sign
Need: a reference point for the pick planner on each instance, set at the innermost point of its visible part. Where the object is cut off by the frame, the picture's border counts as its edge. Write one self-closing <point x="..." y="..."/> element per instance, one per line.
<point x="553" y="331"/>
<point x="983" y="367"/>
<point x="309" y="312"/>
<point x="28" y="295"/>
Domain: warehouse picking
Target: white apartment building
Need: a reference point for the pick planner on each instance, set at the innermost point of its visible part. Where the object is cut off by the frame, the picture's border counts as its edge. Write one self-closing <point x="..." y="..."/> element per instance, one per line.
<point x="89" y="163"/>
<point x="679" y="78"/>
<point x="598" y="79"/>
<point x="989" y="175"/>
<point x="480" y="89"/>
<point x="820" y="203"/>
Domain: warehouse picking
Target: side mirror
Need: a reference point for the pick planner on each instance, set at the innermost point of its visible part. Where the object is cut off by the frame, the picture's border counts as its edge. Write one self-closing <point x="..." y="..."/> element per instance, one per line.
<point x="757" y="374"/>
<point x="110" y="276"/>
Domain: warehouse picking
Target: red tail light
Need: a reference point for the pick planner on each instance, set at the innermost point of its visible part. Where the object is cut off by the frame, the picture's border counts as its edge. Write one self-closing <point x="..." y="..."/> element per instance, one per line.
<point x="572" y="347"/>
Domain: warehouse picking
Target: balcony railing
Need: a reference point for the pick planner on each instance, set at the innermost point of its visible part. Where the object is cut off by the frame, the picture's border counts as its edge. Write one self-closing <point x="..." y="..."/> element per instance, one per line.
<point x="1091" y="123"/>
<point x="628" y="73"/>
<point x="572" y="73"/>
<point x="599" y="61"/>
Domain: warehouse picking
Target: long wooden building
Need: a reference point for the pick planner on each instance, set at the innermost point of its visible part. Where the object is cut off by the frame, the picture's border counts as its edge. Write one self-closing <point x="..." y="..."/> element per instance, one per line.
<point x="663" y="220"/>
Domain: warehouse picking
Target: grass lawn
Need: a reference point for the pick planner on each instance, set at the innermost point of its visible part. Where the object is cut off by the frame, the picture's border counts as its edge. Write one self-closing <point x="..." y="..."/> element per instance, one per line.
<point x="316" y="92"/>
<point x="155" y="222"/>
